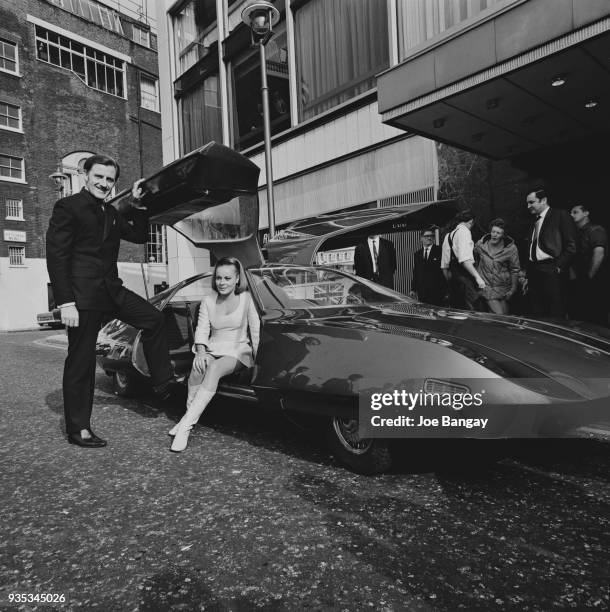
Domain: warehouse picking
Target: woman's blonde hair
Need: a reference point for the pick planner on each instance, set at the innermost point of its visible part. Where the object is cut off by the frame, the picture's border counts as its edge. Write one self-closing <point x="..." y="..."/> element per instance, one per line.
<point x="241" y="277"/>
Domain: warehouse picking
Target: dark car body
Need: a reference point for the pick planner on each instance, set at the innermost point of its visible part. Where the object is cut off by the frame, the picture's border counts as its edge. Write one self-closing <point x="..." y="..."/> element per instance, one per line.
<point x="327" y="336"/>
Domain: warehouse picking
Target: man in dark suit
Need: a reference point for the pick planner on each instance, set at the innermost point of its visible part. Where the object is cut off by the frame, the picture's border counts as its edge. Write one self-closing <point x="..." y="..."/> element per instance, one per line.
<point x="428" y="283"/>
<point x="375" y="260"/>
<point x="552" y="246"/>
<point x="83" y="242"/>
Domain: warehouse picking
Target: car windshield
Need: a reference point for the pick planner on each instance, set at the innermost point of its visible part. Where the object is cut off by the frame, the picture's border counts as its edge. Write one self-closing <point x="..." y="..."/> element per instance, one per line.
<point x="308" y="287"/>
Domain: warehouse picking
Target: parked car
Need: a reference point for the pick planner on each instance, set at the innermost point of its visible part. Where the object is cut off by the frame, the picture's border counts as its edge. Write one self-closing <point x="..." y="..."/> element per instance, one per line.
<point x="326" y="334"/>
<point x="50" y="319"/>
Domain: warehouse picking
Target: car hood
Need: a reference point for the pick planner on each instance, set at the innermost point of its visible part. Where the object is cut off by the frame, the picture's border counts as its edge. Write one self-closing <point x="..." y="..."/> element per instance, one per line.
<point x="510" y="347"/>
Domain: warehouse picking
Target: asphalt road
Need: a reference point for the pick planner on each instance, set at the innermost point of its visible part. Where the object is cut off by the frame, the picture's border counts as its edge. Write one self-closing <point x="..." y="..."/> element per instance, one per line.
<point x="257" y="515"/>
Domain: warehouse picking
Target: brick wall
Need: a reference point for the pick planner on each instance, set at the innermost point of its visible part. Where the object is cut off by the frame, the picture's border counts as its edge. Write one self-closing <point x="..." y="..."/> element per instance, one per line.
<point x="61" y="115"/>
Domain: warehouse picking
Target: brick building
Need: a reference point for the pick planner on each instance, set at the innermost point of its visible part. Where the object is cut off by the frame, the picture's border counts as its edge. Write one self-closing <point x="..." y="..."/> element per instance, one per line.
<point x="76" y="78"/>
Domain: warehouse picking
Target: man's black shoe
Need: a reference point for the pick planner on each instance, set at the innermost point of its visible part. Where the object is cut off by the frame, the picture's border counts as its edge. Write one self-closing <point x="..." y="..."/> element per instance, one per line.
<point x="164" y="390"/>
<point x="92" y="442"/>
<point x="96" y="438"/>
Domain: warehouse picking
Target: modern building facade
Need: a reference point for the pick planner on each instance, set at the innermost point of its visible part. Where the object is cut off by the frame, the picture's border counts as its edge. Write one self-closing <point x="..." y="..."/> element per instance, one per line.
<point x="76" y="78"/>
<point x="332" y="150"/>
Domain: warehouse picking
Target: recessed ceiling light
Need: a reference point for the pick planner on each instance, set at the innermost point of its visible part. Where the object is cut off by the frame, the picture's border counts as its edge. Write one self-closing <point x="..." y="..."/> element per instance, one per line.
<point x="591" y="104"/>
<point x="558" y="81"/>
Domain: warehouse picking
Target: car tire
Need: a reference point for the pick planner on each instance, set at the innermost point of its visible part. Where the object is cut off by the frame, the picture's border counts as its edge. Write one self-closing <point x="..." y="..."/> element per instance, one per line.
<point x="362" y="455"/>
<point x="125" y="384"/>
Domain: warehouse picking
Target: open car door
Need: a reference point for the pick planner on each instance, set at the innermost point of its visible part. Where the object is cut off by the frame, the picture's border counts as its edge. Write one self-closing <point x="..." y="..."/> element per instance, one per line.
<point x="210" y="196"/>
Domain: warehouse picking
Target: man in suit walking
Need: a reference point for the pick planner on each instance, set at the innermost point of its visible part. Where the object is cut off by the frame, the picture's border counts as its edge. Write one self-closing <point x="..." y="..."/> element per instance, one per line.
<point x="552" y="246"/>
<point x="375" y="260"/>
<point x="428" y="282"/>
<point x="83" y="242"/>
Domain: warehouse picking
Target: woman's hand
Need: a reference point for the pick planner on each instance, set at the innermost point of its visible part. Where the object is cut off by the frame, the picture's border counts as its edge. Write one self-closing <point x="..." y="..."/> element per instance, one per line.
<point x="200" y="363"/>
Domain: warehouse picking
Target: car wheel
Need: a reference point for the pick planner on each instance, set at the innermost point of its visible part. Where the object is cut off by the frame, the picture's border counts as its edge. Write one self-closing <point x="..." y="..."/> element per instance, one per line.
<point x="363" y="455"/>
<point x="125" y="383"/>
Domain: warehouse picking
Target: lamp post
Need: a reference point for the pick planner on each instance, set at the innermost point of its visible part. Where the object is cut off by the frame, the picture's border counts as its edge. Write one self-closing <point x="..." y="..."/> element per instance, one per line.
<point x="260" y="17"/>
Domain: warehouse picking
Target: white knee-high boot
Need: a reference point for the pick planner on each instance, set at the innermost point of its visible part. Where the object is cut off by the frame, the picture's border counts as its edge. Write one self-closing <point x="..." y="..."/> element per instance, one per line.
<point x="192" y="392"/>
<point x="193" y="412"/>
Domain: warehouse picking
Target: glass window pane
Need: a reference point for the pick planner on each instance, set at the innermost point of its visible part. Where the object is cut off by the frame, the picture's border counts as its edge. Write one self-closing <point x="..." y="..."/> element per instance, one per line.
<point x="333" y="69"/>
<point x="77" y="47"/>
<point x="110" y="81"/>
<point x="42" y="51"/>
<point x="119" y="83"/>
<point x="78" y="65"/>
<point x="201" y="116"/>
<point x="91" y="80"/>
<point x="65" y="59"/>
<point x="54" y="55"/>
<point x="101" y="77"/>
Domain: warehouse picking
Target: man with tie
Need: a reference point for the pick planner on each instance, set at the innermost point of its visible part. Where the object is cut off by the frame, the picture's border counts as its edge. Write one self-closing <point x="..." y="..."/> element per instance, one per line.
<point x="83" y="242"/>
<point x="375" y="259"/>
<point x="428" y="282"/>
<point x="552" y="246"/>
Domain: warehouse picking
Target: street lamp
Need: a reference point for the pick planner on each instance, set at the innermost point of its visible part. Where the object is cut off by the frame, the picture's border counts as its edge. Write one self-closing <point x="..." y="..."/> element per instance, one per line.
<point x="59" y="178"/>
<point x="260" y="17"/>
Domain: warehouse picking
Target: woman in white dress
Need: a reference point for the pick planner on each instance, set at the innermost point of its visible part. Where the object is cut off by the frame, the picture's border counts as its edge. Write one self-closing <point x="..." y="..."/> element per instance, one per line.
<point x="226" y="340"/>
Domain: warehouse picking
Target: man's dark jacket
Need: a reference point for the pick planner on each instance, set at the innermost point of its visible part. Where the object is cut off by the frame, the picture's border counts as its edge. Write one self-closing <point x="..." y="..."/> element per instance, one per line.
<point x="557" y="236"/>
<point x="386" y="262"/>
<point x="428" y="279"/>
<point x="82" y="251"/>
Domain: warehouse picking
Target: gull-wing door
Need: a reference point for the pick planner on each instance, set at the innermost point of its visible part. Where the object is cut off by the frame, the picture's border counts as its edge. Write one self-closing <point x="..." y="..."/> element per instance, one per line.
<point x="210" y="196"/>
<point x="300" y="241"/>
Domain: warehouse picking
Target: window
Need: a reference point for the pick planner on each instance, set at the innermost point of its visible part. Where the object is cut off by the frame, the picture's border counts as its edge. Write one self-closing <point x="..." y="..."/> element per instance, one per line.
<point x="248" y="108"/>
<point x="201" y="115"/>
<point x="95" y="68"/>
<point x="16" y="255"/>
<point x="333" y="68"/>
<point x="149" y="93"/>
<point x="194" y="32"/>
<point x="140" y="35"/>
<point x="92" y="11"/>
<point x="10" y="117"/>
<point x="9" y="62"/>
<point x="155" y="247"/>
<point x="420" y="20"/>
<point x="11" y="168"/>
<point x="14" y="209"/>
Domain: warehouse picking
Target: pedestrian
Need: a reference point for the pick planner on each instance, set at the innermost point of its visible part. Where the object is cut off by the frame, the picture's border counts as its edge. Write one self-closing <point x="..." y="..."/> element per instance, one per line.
<point x="375" y="260"/>
<point x="552" y="246"/>
<point x="428" y="282"/>
<point x="226" y="341"/>
<point x="498" y="264"/>
<point x="457" y="263"/>
<point x="589" y="294"/>
<point x="82" y="247"/>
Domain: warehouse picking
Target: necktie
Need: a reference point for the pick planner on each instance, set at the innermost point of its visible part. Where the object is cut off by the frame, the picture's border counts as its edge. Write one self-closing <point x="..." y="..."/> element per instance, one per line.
<point x="427" y="254"/>
<point x="534" y="246"/>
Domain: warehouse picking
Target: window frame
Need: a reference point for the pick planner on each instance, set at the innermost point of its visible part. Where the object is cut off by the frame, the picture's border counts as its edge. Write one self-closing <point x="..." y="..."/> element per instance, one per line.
<point x="102" y="62"/>
<point x="14" y="264"/>
<point x="10" y="179"/>
<point x="155" y="81"/>
<point x="10" y="217"/>
<point x="18" y="129"/>
<point x="136" y="28"/>
<point x="15" y="72"/>
<point x="154" y="247"/>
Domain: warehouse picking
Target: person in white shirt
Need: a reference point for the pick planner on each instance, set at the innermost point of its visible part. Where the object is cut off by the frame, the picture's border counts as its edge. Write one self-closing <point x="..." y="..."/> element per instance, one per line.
<point x="457" y="263"/>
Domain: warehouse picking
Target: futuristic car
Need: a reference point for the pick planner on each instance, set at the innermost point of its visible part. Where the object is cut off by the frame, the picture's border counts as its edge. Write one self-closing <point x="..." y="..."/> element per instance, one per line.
<point x="327" y="336"/>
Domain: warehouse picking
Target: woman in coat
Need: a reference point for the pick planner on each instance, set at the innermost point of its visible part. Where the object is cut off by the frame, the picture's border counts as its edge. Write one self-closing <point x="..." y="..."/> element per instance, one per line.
<point x="498" y="265"/>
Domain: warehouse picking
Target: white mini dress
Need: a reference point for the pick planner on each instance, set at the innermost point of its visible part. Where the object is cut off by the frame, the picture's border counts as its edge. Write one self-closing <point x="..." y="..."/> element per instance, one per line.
<point x="227" y="335"/>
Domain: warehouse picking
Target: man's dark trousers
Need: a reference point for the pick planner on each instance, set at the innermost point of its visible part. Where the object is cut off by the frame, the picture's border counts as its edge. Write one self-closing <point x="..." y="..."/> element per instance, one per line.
<point x="546" y="289"/>
<point x="79" y="369"/>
